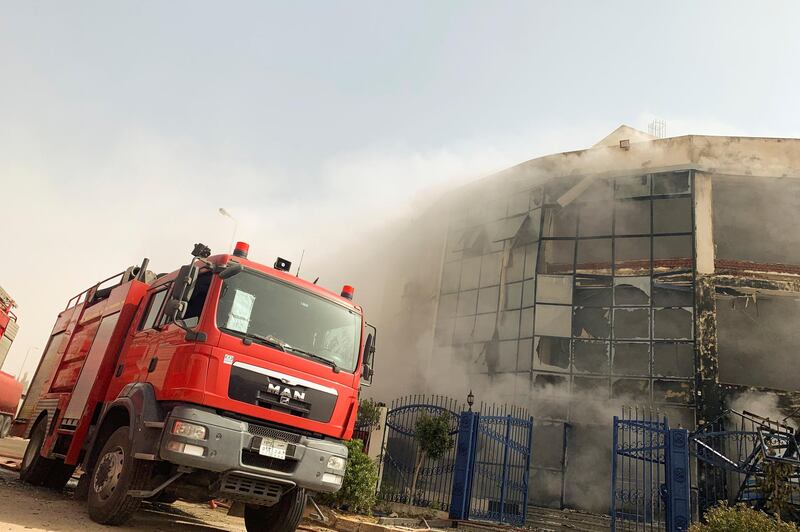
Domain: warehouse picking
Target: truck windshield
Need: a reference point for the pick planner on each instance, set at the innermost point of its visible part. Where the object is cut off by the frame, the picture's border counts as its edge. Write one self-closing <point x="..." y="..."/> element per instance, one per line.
<point x="289" y="318"/>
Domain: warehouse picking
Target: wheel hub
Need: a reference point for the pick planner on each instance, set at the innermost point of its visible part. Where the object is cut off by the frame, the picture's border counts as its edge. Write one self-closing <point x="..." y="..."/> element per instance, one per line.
<point x="107" y="473"/>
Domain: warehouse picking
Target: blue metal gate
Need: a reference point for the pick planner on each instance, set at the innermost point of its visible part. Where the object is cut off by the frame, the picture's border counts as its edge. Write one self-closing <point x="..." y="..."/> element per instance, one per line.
<point x="650" y="485"/>
<point x="493" y="465"/>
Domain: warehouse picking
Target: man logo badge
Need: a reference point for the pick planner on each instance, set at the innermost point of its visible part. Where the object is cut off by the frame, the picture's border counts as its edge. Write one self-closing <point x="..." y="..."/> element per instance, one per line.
<point x="285" y="393"/>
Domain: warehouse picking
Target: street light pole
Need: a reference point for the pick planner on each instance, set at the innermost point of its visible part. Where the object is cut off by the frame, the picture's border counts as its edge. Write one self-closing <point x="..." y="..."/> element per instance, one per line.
<point x="226" y="214"/>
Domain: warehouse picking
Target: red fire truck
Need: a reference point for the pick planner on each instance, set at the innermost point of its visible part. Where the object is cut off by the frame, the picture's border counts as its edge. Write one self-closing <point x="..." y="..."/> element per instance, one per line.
<point x="8" y="324"/>
<point x="224" y="379"/>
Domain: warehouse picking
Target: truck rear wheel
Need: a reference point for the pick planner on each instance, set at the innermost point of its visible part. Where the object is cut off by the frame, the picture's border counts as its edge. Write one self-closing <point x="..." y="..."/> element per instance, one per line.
<point x="282" y="517"/>
<point x="115" y="472"/>
<point x="35" y="468"/>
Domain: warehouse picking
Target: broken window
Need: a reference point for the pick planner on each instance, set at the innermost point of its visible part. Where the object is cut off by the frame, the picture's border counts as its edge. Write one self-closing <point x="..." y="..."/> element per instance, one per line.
<point x="551" y="353"/>
<point x="524" y="358"/>
<point x="528" y="292"/>
<point x="637" y="390"/>
<point x="672" y="391"/>
<point x="470" y="273"/>
<point x="508" y="327"/>
<point x="632" y="217"/>
<point x="592" y="291"/>
<point x="632" y="187"/>
<point x="506" y="229"/>
<point x="632" y="323"/>
<point x="673" y="323"/>
<point x="530" y="230"/>
<point x="560" y="221"/>
<point x="513" y="297"/>
<point x="447" y="305"/>
<point x="673" y="294"/>
<point x="631" y="358"/>
<point x="590" y="356"/>
<point x="554" y="289"/>
<point x="467" y="302"/>
<point x="485" y="325"/>
<point x="516" y="265"/>
<point x="490" y="269"/>
<point x="488" y="299"/>
<point x="463" y="329"/>
<point x="595" y="218"/>
<point x="507" y="360"/>
<point x="673" y="359"/>
<point x="526" y="323"/>
<point x="591" y="387"/>
<point x="531" y="253"/>
<point x="553" y="320"/>
<point x="451" y="274"/>
<point x="673" y="215"/>
<point x="591" y="322"/>
<point x="557" y="256"/>
<point x="671" y="183"/>
<point x="632" y="256"/>
<point x="632" y="291"/>
<point x="594" y="256"/>
<point x="551" y="384"/>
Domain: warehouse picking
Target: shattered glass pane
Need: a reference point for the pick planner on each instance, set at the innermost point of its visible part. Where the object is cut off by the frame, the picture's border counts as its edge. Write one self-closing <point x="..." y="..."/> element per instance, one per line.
<point x="631" y="358"/>
<point x="590" y="356"/>
<point x="526" y="323"/>
<point x="516" y="265"/>
<point x="467" y="302"/>
<point x="632" y="323"/>
<point x="560" y="221"/>
<point x="506" y="229"/>
<point x="524" y="360"/>
<point x="672" y="392"/>
<point x="594" y="291"/>
<point x="673" y="323"/>
<point x="591" y="322"/>
<point x="490" y="269"/>
<point x="451" y="274"/>
<point x="637" y="390"/>
<point x="671" y="183"/>
<point x="485" y="325"/>
<point x="632" y="256"/>
<point x="554" y="289"/>
<point x="488" y="299"/>
<point x="632" y="217"/>
<point x="594" y="256"/>
<point x="557" y="256"/>
<point x="677" y="294"/>
<point x="513" y="297"/>
<point x="553" y="320"/>
<point x="508" y="327"/>
<point x="530" y="230"/>
<point x="470" y="273"/>
<point x="673" y="359"/>
<point x="632" y="291"/>
<point x="551" y="384"/>
<point x="531" y="253"/>
<point x="672" y="215"/>
<point x="447" y="305"/>
<point x="551" y="353"/>
<point x="595" y="219"/>
<point x="632" y="187"/>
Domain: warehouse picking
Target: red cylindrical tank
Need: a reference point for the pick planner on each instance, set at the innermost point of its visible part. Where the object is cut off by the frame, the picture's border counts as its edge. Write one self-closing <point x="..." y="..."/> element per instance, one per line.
<point x="10" y="394"/>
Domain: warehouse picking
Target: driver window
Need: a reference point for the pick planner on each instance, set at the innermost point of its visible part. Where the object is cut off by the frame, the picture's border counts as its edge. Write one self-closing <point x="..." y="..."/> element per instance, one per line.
<point x="153" y="308"/>
<point x="198" y="299"/>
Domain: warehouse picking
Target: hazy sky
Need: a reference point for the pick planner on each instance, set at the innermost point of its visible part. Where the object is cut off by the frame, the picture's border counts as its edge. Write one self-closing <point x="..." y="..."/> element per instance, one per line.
<point x="124" y="126"/>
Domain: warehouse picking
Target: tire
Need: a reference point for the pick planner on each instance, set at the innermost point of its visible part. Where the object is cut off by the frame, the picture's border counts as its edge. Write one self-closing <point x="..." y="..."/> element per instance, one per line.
<point x="282" y="517"/>
<point x="114" y="473"/>
<point x="35" y="468"/>
<point x="59" y="475"/>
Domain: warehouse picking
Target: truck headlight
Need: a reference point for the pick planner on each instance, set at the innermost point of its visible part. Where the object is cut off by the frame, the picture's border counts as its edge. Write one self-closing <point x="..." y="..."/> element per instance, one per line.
<point x="337" y="463"/>
<point x="189" y="430"/>
<point x="330" y="478"/>
<point x="185" y="448"/>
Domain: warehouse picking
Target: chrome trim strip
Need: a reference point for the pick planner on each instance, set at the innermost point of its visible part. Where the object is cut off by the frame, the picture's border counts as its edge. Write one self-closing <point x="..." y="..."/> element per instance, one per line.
<point x="286" y="379"/>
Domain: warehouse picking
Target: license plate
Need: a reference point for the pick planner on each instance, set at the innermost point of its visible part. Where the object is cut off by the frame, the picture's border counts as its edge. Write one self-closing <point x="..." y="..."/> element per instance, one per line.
<point x="273" y="448"/>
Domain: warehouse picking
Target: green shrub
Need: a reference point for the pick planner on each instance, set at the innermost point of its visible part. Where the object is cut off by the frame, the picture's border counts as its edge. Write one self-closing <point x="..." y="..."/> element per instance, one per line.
<point x="740" y="518"/>
<point x="433" y="441"/>
<point x="369" y="414"/>
<point x="360" y="480"/>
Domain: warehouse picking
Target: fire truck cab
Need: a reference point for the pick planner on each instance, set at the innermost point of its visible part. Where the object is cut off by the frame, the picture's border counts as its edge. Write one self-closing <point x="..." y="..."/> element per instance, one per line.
<point x="223" y="379"/>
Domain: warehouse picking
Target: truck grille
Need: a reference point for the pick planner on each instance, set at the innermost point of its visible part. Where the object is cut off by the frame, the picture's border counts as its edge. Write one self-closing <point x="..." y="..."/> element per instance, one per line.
<point x="246" y="489"/>
<point x="269" y="432"/>
<point x="254" y="459"/>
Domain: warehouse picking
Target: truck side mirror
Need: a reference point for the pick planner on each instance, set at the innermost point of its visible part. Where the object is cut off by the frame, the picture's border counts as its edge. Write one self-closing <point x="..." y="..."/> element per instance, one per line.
<point x="367" y="371"/>
<point x="181" y="292"/>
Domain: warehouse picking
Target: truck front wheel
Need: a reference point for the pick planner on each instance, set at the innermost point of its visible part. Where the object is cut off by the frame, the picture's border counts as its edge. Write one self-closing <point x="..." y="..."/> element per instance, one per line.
<point x="282" y="517"/>
<point x="35" y="467"/>
<point x="115" y="472"/>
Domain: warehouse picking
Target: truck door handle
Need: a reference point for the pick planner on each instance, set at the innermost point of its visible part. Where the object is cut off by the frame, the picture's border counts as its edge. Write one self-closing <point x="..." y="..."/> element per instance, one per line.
<point x="152" y="367"/>
<point x="119" y="370"/>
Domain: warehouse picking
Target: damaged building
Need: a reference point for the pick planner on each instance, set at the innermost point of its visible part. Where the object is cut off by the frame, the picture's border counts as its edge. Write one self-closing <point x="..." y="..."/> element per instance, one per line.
<point x="651" y="271"/>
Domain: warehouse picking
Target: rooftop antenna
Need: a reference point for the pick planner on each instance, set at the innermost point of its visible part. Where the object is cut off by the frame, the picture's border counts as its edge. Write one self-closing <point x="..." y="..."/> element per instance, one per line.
<point x="303" y="254"/>
<point x="657" y="128"/>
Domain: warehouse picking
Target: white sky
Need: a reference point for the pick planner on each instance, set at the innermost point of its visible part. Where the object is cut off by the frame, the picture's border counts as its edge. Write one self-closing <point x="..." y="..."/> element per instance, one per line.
<point x="124" y="126"/>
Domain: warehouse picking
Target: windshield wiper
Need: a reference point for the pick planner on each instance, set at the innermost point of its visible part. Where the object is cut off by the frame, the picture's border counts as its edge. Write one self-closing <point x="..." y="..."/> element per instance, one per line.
<point x="247" y="338"/>
<point x="316" y="357"/>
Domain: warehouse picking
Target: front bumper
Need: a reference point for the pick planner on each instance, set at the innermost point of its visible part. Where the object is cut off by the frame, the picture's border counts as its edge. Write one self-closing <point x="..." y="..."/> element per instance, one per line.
<point x="231" y="447"/>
